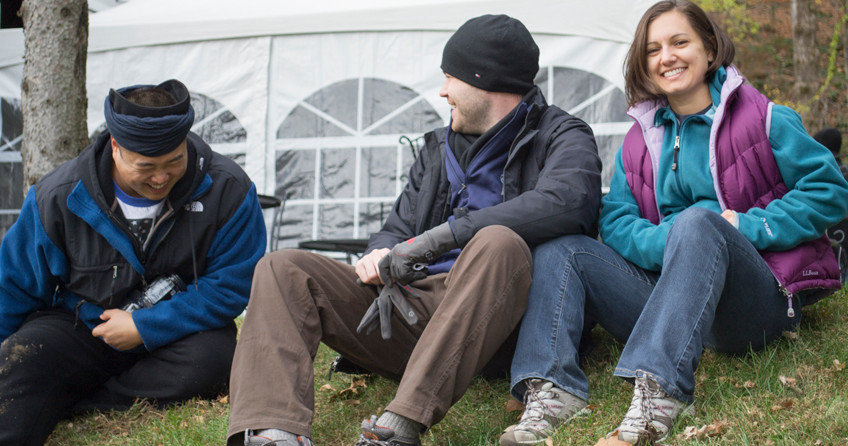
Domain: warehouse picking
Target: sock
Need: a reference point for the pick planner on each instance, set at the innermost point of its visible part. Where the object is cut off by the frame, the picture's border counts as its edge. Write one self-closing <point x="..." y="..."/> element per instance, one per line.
<point x="274" y="434"/>
<point x="403" y="427"/>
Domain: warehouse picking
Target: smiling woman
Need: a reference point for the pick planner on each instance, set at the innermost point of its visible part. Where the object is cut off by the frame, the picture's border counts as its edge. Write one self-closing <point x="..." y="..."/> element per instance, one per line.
<point x="677" y="62"/>
<point x="702" y="245"/>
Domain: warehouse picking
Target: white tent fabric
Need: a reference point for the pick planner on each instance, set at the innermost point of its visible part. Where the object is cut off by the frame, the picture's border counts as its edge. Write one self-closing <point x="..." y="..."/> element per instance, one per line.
<point x="141" y="22"/>
<point x="312" y="97"/>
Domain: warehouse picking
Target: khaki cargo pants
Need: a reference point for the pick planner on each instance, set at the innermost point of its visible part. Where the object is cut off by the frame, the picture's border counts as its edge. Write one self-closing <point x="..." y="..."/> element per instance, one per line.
<point x="300" y="299"/>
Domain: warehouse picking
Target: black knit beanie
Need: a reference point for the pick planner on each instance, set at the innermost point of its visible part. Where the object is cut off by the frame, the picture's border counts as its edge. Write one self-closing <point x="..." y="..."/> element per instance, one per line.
<point x="493" y="53"/>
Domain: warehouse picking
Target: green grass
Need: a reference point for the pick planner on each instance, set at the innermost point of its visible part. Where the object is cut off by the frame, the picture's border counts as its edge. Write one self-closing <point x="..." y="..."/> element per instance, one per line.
<point x="808" y="406"/>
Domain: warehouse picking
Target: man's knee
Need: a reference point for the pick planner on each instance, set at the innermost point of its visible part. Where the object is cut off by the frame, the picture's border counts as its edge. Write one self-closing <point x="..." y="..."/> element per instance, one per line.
<point x="501" y="239"/>
<point x="277" y="261"/>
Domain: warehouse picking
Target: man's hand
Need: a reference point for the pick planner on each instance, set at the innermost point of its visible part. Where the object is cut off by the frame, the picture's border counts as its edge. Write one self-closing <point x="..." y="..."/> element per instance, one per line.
<point x="118" y="330"/>
<point x="407" y="262"/>
<point x="366" y="267"/>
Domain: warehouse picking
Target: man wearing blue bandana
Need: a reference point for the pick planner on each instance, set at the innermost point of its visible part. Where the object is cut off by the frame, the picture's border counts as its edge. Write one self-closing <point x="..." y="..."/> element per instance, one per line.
<point x="448" y="274"/>
<point x="123" y="273"/>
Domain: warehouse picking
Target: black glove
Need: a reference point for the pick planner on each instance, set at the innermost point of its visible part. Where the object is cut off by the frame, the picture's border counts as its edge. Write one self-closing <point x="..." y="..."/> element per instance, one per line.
<point x="380" y="311"/>
<point x="407" y="261"/>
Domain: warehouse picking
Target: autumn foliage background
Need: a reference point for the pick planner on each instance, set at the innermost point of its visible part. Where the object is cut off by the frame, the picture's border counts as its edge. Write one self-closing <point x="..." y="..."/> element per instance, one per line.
<point x="762" y="32"/>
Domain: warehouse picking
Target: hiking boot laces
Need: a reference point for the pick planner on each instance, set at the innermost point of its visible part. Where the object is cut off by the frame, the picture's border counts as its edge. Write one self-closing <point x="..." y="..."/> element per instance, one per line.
<point x="546" y="408"/>
<point x="373" y="435"/>
<point x="651" y="414"/>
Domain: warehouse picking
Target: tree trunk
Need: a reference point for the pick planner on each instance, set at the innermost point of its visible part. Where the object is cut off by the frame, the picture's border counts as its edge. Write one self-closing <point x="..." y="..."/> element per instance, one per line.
<point x="804" y="55"/>
<point x="53" y="96"/>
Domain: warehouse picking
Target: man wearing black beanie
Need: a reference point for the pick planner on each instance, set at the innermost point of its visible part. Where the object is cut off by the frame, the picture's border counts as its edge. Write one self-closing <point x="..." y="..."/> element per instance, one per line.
<point x="446" y="278"/>
<point x="95" y="312"/>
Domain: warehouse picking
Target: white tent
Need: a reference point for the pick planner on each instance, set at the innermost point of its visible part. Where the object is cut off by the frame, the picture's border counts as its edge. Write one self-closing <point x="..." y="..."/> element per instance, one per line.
<point x="313" y="97"/>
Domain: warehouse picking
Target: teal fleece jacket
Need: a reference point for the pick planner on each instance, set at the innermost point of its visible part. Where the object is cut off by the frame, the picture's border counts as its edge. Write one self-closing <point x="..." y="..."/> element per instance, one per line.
<point x="818" y="196"/>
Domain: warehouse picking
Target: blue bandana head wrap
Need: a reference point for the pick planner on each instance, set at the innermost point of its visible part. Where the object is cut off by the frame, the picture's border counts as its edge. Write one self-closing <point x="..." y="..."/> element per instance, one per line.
<point x="150" y="131"/>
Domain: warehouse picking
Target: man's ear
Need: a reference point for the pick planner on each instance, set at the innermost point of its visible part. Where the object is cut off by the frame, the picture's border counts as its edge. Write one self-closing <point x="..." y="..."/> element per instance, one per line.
<point x="115" y="147"/>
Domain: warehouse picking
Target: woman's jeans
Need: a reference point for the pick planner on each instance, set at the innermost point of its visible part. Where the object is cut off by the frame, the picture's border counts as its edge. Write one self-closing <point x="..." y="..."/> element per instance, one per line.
<point x="714" y="290"/>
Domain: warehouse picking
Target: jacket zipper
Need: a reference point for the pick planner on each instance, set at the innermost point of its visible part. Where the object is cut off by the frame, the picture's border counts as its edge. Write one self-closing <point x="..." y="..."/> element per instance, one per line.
<point x="112" y="286"/>
<point x="676" y="151"/>
<point x="790" y="312"/>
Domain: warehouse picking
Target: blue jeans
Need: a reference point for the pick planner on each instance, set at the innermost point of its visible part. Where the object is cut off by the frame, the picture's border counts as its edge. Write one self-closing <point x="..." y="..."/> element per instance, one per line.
<point x="714" y="290"/>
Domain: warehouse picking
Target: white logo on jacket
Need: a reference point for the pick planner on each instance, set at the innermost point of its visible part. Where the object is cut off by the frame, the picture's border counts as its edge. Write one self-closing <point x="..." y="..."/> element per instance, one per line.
<point x="194" y="206"/>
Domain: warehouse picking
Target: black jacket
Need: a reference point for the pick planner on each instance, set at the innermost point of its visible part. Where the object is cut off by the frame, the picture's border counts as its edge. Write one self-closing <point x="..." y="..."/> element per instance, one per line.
<point x="551" y="184"/>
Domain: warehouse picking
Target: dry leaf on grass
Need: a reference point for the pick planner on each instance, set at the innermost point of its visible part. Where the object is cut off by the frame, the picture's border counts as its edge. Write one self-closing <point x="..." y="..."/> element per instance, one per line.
<point x="224" y="399"/>
<point x="838" y="366"/>
<point x="790" y="382"/>
<point x="513" y="405"/>
<point x="787" y="404"/>
<point x="793" y="335"/>
<point x="787" y="381"/>
<point x="747" y="385"/>
<point x="549" y="442"/>
<point x="715" y="429"/>
<point x="328" y="388"/>
<point x="611" y="441"/>
<point x="352" y="389"/>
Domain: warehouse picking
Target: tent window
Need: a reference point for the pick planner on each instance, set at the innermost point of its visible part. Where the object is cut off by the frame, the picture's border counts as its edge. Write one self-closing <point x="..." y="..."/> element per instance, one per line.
<point x="214" y="122"/>
<point x="593" y="99"/>
<point x="11" y="169"/>
<point x="339" y="160"/>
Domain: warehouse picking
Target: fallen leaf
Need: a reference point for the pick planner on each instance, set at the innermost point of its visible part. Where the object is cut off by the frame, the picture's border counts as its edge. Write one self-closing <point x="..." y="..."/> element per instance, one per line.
<point x="718" y="428"/>
<point x="328" y="388"/>
<point x="352" y="389"/>
<point x="513" y="405"/>
<point x="689" y="432"/>
<point x="611" y="441"/>
<point x="749" y="385"/>
<point x="787" y="381"/>
<point x="783" y="405"/>
<point x="549" y="442"/>
<point x="793" y="335"/>
<point x="224" y="399"/>
<point x="838" y="365"/>
<point x="715" y="429"/>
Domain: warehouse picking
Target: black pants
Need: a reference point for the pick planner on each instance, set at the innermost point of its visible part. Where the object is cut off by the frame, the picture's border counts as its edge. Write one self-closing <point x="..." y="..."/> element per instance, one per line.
<point x="51" y="368"/>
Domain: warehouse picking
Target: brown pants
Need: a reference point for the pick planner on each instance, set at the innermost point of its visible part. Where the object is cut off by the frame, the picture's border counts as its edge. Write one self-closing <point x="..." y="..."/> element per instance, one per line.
<point x="300" y="299"/>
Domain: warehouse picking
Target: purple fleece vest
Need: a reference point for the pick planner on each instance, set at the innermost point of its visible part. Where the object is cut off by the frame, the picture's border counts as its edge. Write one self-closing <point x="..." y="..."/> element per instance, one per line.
<point x="745" y="175"/>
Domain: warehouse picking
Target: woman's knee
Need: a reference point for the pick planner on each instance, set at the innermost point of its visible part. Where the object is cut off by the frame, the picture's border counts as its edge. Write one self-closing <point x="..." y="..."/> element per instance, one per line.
<point x="552" y="253"/>
<point x="697" y="219"/>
